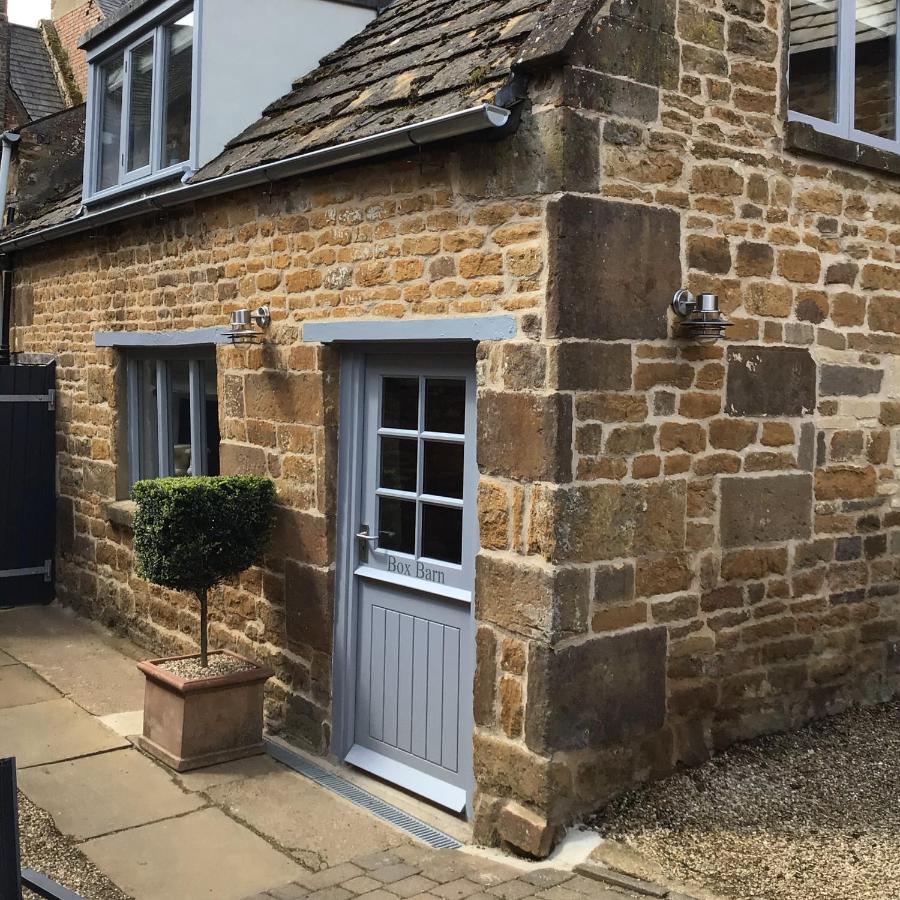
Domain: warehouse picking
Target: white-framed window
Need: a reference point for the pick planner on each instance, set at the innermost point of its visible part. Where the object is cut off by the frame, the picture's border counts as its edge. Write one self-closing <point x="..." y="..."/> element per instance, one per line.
<point x="843" y="72"/>
<point x="172" y="411"/>
<point x="140" y="107"/>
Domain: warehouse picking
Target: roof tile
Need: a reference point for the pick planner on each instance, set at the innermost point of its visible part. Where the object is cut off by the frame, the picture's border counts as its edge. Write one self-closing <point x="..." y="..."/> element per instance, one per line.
<point x="31" y="73"/>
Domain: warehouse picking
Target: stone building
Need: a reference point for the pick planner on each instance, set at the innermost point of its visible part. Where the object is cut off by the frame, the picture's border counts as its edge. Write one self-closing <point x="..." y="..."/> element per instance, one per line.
<point x="534" y="545"/>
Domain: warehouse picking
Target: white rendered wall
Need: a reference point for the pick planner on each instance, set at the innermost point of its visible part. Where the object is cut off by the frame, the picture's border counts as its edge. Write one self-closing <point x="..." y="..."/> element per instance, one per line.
<point x="252" y="50"/>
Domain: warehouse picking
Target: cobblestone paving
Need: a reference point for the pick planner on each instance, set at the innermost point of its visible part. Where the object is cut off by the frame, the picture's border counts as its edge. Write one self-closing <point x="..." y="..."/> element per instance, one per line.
<point x="417" y="873"/>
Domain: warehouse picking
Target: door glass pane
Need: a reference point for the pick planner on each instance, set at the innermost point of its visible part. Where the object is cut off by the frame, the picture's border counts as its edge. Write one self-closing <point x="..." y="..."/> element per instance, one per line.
<point x="180" y="416"/>
<point x="140" y="106"/>
<point x="876" y="28"/>
<point x="445" y="405"/>
<point x="148" y="424"/>
<point x="442" y="533"/>
<point x="179" y="63"/>
<point x="397" y="525"/>
<point x="212" y="418"/>
<point x="444" y="469"/>
<point x="111" y="75"/>
<point x="399" y="463"/>
<point x="812" y="76"/>
<point x="400" y="403"/>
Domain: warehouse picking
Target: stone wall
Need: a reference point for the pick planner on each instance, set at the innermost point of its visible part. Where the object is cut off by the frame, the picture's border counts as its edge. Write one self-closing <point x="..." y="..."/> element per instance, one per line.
<point x="682" y="546"/>
<point x="413" y="237"/>
<point x="48" y="164"/>
<point x="720" y="546"/>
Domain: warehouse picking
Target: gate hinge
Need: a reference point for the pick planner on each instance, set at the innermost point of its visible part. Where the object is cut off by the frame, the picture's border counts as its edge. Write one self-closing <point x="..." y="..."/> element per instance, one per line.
<point x="46" y="570"/>
<point x="49" y="398"/>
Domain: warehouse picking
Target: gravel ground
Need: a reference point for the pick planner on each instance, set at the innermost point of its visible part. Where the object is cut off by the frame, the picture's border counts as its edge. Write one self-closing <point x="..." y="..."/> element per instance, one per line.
<point x="810" y="815"/>
<point x="47" y="851"/>
<point x="219" y="664"/>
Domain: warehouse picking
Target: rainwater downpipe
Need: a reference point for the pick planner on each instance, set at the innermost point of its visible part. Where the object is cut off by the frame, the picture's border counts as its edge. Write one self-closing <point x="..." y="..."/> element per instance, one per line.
<point x="9" y="140"/>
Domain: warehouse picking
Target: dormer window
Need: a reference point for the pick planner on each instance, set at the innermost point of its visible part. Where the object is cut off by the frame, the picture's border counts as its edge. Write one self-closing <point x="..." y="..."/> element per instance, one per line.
<point x="141" y="102"/>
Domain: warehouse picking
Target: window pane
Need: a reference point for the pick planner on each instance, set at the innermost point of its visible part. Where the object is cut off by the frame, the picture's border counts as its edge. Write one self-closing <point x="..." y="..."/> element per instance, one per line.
<point x="399" y="464"/>
<point x="180" y="415"/>
<point x="445" y="405"/>
<point x="148" y="421"/>
<point x="397" y="525"/>
<point x="111" y="75"/>
<point x="400" y="403"/>
<point x="876" y="27"/>
<point x="140" y="106"/>
<point x="179" y="62"/>
<point x="812" y="75"/>
<point x="442" y="533"/>
<point x="212" y="418"/>
<point x="443" y="469"/>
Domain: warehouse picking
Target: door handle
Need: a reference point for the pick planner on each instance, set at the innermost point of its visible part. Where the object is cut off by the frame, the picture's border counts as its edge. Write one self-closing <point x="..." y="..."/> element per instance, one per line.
<point x="365" y="539"/>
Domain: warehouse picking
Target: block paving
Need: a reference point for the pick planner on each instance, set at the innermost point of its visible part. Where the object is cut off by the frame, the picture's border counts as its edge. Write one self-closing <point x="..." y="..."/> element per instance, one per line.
<point x="414" y="872"/>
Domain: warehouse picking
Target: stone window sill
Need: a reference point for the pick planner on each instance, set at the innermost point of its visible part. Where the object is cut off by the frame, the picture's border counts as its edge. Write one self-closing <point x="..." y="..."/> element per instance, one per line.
<point x="802" y="137"/>
<point x="120" y="512"/>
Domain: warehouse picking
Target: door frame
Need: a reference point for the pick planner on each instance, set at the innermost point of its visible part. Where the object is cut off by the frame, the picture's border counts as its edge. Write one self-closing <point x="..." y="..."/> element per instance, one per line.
<point x="351" y="433"/>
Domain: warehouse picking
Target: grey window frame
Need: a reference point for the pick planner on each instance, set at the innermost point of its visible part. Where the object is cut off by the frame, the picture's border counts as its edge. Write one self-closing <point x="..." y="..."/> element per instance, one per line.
<point x="134" y="408"/>
<point x="845" y="92"/>
<point x="153" y="28"/>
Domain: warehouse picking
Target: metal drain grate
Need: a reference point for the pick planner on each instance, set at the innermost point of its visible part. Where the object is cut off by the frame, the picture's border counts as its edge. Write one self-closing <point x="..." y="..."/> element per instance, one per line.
<point x="343" y="788"/>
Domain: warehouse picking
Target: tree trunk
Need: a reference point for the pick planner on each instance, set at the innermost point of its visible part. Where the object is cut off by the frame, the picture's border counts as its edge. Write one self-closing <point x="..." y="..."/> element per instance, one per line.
<point x="202" y="597"/>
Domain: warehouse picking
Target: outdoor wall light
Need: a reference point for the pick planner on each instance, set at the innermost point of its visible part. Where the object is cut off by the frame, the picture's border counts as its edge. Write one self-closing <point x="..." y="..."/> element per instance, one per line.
<point x="701" y="320"/>
<point x="242" y="329"/>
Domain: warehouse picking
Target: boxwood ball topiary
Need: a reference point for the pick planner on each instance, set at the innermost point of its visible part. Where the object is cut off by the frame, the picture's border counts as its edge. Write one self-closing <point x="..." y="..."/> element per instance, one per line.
<point x="192" y="533"/>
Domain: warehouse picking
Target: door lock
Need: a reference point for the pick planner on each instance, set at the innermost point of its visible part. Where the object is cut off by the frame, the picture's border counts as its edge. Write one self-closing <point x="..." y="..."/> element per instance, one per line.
<point x="365" y="539"/>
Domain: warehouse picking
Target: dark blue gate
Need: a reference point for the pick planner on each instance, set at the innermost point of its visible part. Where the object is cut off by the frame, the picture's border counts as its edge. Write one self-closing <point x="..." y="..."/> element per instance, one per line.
<point x="27" y="483"/>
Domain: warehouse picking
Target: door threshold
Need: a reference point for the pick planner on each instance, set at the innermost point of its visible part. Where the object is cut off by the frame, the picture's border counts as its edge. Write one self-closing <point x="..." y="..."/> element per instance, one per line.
<point x="447" y="795"/>
<point x="420" y="820"/>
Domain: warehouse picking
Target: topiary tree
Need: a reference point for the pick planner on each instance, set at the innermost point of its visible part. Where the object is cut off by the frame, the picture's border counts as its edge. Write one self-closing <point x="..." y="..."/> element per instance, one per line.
<point x="190" y="534"/>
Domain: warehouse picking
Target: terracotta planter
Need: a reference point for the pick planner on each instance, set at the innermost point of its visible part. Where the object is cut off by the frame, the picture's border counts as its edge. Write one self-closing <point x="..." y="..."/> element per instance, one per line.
<point x="190" y="724"/>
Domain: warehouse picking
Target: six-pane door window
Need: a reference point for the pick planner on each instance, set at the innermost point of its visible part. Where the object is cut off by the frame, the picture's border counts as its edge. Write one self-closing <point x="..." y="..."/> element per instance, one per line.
<point x="422" y="467"/>
<point x="843" y="69"/>
<point x="173" y="418"/>
<point x="143" y="106"/>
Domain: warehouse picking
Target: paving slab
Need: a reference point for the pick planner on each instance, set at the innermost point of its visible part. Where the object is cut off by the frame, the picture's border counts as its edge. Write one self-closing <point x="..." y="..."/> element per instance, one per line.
<point x="6" y="659"/>
<point x="85" y="663"/>
<point x="125" y="723"/>
<point x="225" y="773"/>
<point x="19" y="686"/>
<point x="319" y="828"/>
<point x="95" y="795"/>
<point x="52" y="731"/>
<point x="203" y="855"/>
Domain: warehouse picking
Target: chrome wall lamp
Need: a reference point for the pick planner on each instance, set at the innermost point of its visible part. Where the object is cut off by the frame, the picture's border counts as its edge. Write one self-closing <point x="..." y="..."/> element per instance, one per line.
<point x="701" y="320"/>
<point x="247" y="327"/>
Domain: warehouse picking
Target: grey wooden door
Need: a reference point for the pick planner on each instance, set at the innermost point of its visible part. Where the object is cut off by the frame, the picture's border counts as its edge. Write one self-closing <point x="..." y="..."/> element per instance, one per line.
<point x="414" y="576"/>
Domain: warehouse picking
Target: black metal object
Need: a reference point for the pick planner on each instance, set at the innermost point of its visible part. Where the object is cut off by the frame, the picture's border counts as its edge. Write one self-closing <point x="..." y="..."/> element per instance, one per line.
<point x="12" y="877"/>
<point x="46" y="887"/>
<point x="27" y="483"/>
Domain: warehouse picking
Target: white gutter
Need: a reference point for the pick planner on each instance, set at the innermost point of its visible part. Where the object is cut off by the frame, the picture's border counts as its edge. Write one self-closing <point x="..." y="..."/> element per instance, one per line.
<point x="10" y="139"/>
<point x="468" y="121"/>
